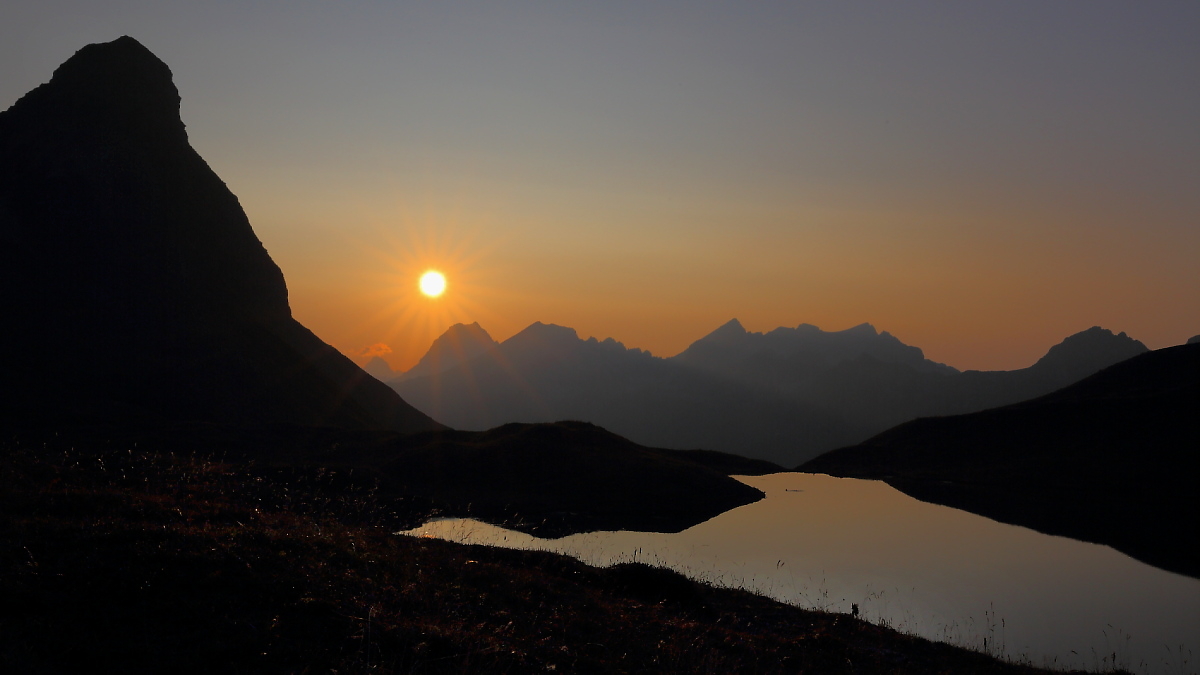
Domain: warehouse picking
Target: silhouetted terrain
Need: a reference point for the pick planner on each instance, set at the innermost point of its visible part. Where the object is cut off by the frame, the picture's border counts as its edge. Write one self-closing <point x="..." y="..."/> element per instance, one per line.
<point x="133" y="284"/>
<point x="878" y="395"/>
<point x="1111" y="459"/>
<point x="784" y="396"/>
<point x="787" y="355"/>
<point x="190" y="481"/>
<point x="153" y="559"/>
<point x="555" y="479"/>
<point x="546" y="479"/>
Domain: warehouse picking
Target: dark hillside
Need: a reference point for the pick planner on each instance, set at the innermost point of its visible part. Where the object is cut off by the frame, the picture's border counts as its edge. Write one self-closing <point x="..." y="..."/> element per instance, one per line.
<point x="546" y="479"/>
<point x="1113" y="459"/>
<point x="553" y="479"/>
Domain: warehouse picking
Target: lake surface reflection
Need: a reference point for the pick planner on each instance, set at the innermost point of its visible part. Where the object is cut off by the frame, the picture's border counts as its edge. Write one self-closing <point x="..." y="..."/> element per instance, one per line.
<point x="827" y="543"/>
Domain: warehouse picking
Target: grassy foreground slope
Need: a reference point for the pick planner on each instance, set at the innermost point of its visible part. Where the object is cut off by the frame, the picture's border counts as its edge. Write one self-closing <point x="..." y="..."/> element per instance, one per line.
<point x="122" y="559"/>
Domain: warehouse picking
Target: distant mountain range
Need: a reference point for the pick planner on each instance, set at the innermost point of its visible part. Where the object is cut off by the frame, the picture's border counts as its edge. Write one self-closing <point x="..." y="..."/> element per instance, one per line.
<point x="784" y="396"/>
<point x="546" y="373"/>
<point x="1111" y="459"/>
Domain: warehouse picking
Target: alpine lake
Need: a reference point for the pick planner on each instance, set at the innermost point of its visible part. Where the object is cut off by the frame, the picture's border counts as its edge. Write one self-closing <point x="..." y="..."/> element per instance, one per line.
<point x="846" y="545"/>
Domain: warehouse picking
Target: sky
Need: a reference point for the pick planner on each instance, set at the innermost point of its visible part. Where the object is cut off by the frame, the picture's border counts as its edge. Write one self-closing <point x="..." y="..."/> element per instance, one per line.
<point x="978" y="179"/>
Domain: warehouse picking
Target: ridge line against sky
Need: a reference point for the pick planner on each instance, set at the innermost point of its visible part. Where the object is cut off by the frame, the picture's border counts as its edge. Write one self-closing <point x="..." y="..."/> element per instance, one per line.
<point x="980" y="180"/>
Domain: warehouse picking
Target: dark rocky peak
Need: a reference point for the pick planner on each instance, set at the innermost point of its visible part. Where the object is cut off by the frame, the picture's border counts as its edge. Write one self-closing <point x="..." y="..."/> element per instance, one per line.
<point x="116" y="87"/>
<point x="96" y="172"/>
<point x="1088" y="351"/>
<point x="131" y="276"/>
<point x="1195" y="339"/>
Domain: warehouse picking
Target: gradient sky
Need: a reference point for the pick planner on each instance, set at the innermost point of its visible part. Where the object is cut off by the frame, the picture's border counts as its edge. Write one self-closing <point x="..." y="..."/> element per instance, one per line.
<point x="978" y="179"/>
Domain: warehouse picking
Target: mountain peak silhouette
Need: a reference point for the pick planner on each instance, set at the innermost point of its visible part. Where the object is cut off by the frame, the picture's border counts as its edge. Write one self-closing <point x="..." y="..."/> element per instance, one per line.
<point x="459" y="344"/>
<point x="461" y="336"/>
<point x="863" y="329"/>
<point x="472" y="327"/>
<point x="543" y="341"/>
<point x="547" y="332"/>
<point x="1087" y="351"/>
<point x="802" y="351"/>
<point x="120" y="86"/>
<point x="120" y="194"/>
<point x="730" y="331"/>
<point x="133" y="280"/>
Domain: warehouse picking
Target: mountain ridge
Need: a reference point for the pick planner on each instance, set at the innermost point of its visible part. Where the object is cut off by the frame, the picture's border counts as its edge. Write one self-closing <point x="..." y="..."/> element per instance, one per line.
<point x="785" y="394"/>
<point x="733" y="350"/>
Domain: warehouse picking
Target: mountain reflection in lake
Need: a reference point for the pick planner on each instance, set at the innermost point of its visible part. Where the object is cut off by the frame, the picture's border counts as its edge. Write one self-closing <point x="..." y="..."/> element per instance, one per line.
<point x="827" y="543"/>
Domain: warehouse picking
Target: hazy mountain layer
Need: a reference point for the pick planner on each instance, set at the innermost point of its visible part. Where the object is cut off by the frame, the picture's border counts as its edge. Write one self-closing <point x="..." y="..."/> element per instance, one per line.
<point x="459" y="344"/>
<point x="784" y="396"/>
<point x="1111" y="459"/>
<point x="878" y="395"/>
<point x="785" y="355"/>
<point x="133" y="283"/>
<point x="546" y="373"/>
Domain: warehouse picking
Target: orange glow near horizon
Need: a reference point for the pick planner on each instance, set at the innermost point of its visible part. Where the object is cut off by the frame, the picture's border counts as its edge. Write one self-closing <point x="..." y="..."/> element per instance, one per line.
<point x="603" y="167"/>
<point x="974" y="284"/>
<point x="404" y="317"/>
<point x="994" y="307"/>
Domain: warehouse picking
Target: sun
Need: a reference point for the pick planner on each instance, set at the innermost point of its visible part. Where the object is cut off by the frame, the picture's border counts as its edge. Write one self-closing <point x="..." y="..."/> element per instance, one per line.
<point x="433" y="283"/>
<point x="429" y="277"/>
